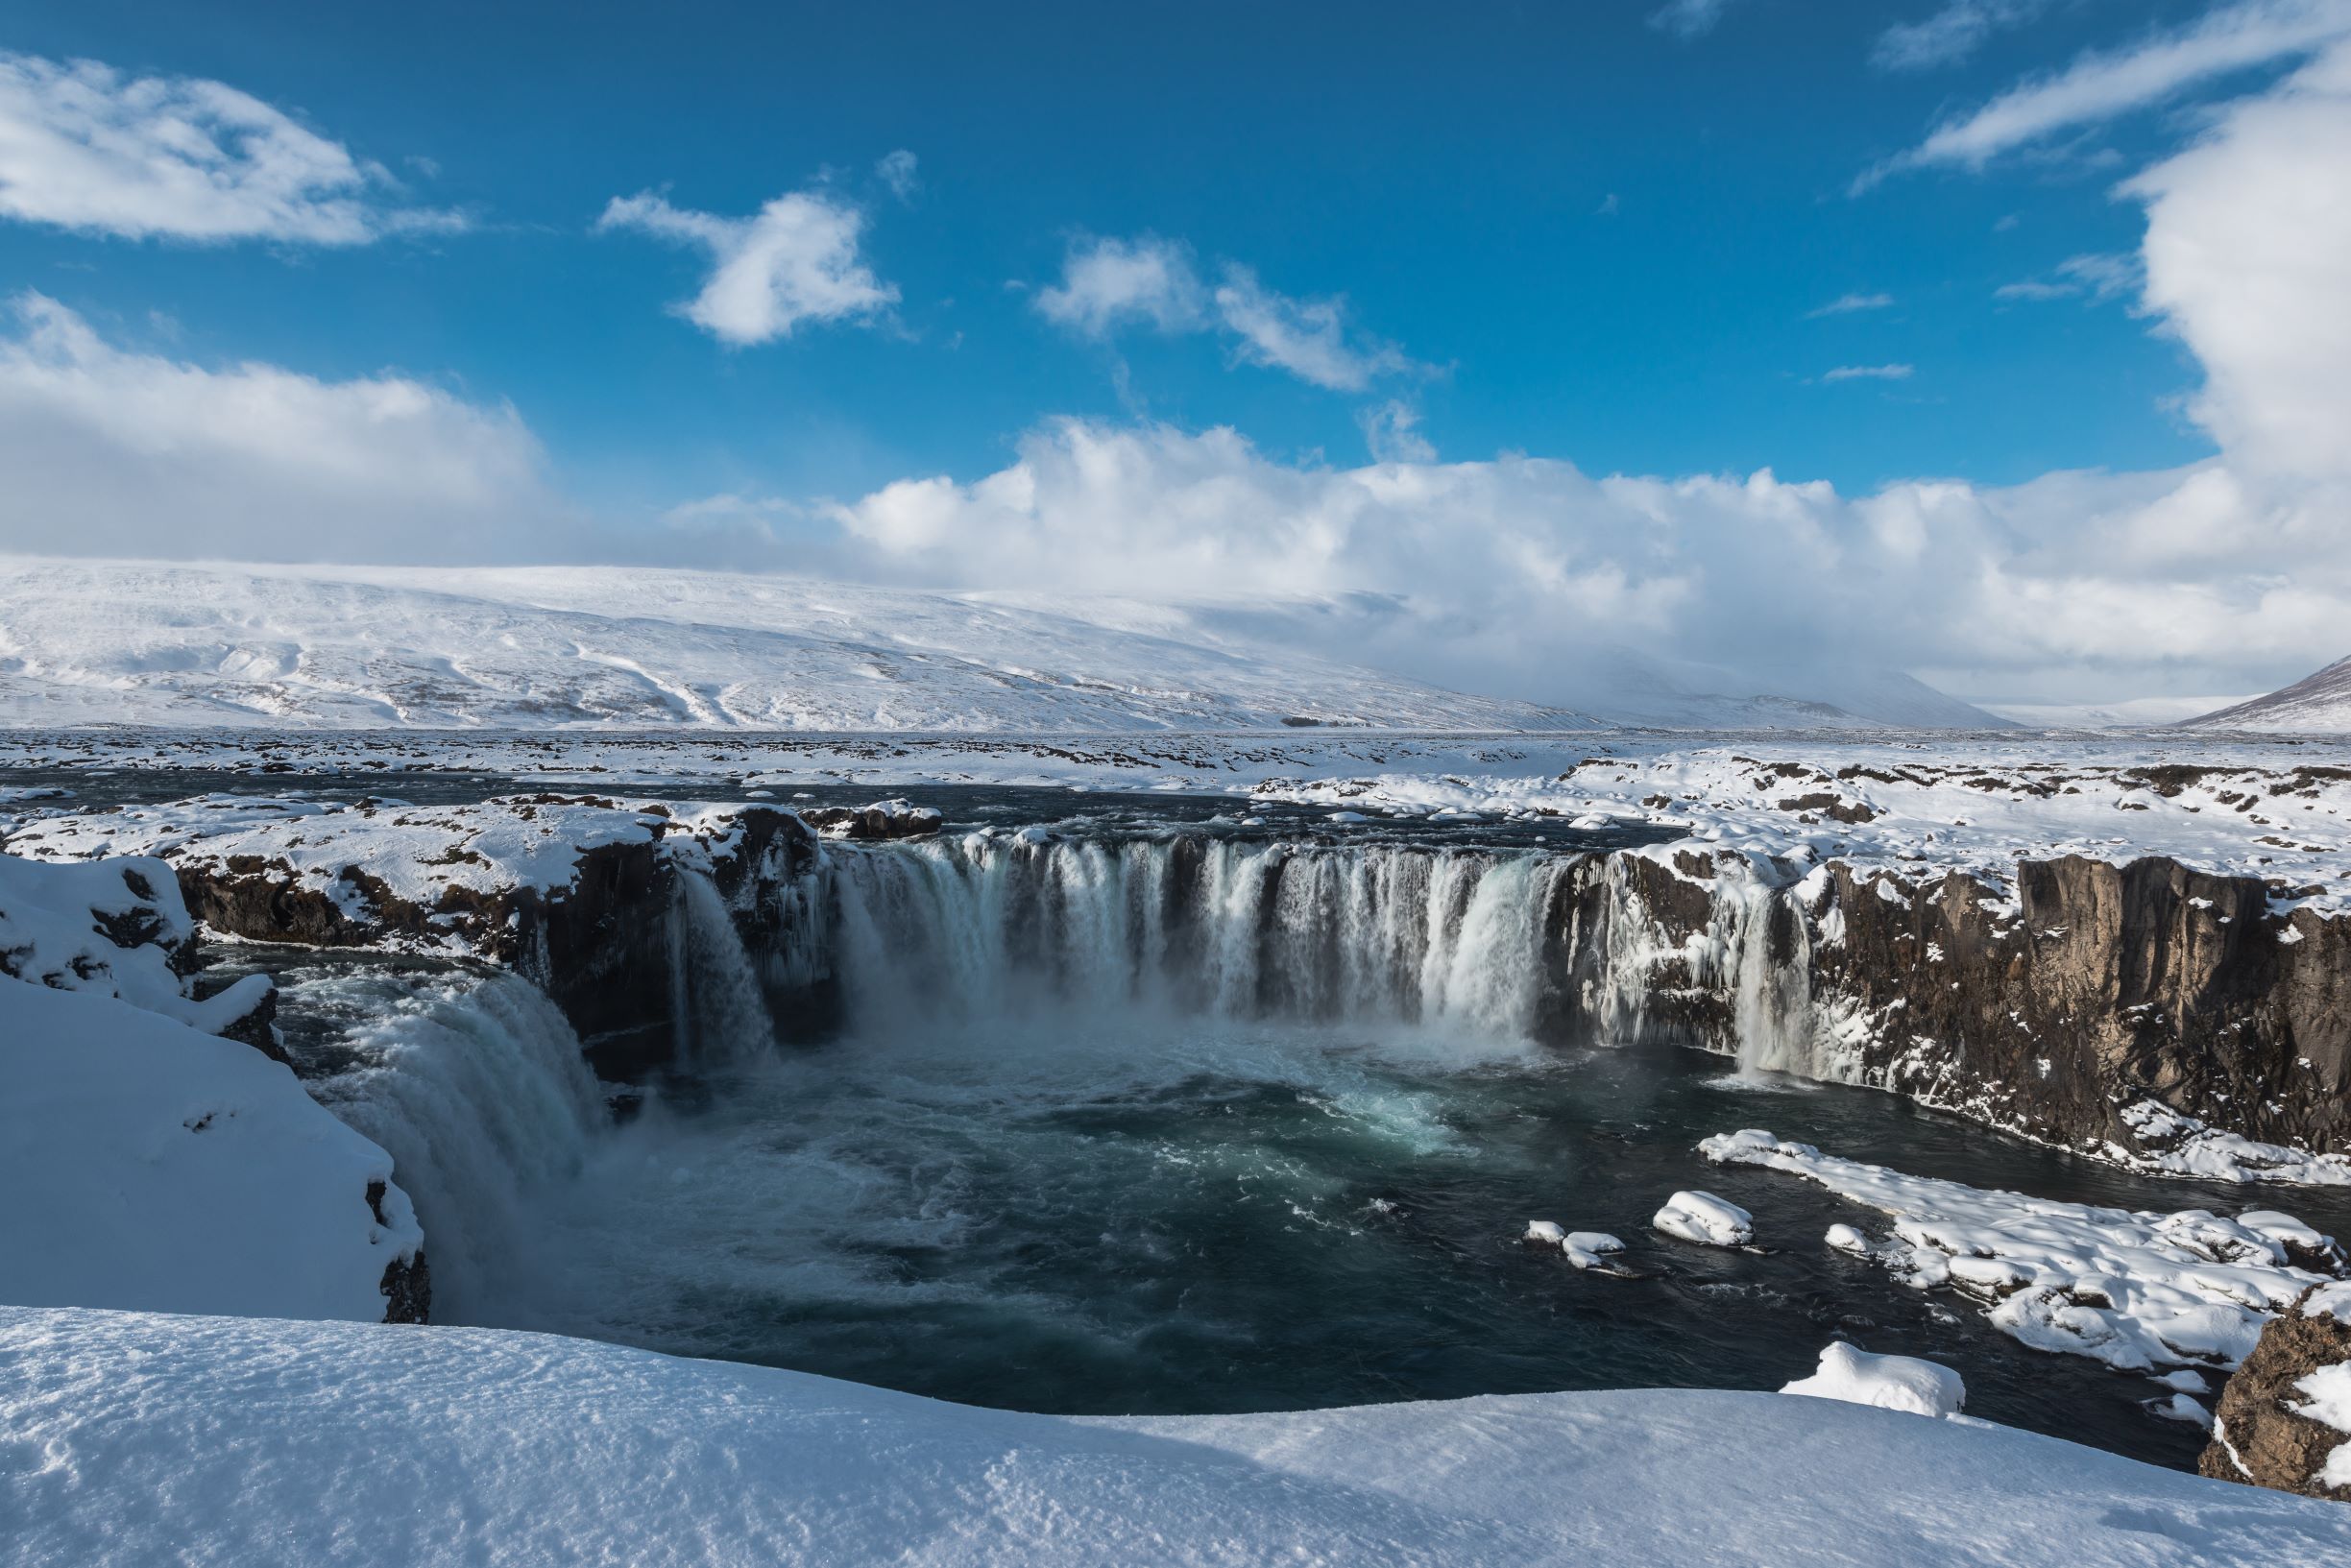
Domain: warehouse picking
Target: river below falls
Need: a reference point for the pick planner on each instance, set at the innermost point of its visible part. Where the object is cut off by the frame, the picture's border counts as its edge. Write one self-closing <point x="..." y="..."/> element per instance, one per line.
<point x="1129" y="1211"/>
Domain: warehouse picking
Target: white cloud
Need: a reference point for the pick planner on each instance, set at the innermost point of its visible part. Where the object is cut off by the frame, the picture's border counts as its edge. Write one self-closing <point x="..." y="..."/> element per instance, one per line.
<point x="1109" y="283"/>
<point x="1500" y="575"/>
<point x="1688" y="18"/>
<point x="1950" y="35"/>
<point x="1847" y="303"/>
<point x="1869" y="373"/>
<point x="1306" y="337"/>
<point x="84" y="148"/>
<point x="1391" y="431"/>
<point x="897" y="171"/>
<point x="2248" y="233"/>
<point x="1106" y="283"/>
<point x="796" y="262"/>
<point x="114" y="452"/>
<point x="2097" y="276"/>
<point x="2100" y="87"/>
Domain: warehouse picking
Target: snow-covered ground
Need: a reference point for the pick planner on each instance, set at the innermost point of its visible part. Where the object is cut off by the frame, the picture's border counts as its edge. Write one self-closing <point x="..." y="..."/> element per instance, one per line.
<point x="2142" y="1292"/>
<point x="2279" y="810"/>
<point x="147" y="1162"/>
<point x="131" y="1439"/>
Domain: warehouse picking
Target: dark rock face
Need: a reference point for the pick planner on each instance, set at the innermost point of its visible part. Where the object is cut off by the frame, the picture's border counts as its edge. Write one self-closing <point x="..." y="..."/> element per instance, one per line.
<point x="2260" y="1434"/>
<point x="601" y="947"/>
<point x="407" y="1282"/>
<point x="2101" y="987"/>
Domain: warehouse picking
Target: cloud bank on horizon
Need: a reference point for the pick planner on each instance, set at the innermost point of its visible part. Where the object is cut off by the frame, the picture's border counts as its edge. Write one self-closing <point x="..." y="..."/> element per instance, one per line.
<point x="2080" y="585"/>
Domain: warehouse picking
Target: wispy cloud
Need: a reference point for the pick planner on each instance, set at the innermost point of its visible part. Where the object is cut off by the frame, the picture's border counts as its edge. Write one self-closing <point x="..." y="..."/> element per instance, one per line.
<point x="84" y="147"/>
<point x="2097" y="277"/>
<point x="1688" y="18"/>
<point x="1391" y="431"/>
<point x="1951" y="35"/>
<point x="2102" y="86"/>
<point x="897" y="172"/>
<point x="1869" y="373"/>
<point x="1107" y="283"/>
<point x="1845" y="304"/>
<point x="797" y="260"/>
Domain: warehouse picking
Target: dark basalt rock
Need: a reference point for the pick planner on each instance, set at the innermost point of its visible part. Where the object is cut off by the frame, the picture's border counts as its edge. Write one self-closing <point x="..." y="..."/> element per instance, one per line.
<point x="2103" y="986"/>
<point x="408" y="1283"/>
<point x="599" y="947"/>
<point x="882" y="820"/>
<point x="2260" y="1434"/>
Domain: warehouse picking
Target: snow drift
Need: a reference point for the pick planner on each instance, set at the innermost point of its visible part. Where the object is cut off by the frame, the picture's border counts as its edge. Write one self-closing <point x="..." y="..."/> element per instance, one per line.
<point x="212" y="1440"/>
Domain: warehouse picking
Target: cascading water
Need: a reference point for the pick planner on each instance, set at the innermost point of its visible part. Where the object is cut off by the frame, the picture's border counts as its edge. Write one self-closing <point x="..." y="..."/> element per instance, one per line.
<point x="973" y="927"/>
<point x="718" y="1010"/>
<point x="478" y="1091"/>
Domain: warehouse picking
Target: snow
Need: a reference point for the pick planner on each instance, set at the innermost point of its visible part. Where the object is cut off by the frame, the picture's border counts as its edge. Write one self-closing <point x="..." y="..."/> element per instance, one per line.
<point x="2327" y="1400"/>
<point x="1545" y="1232"/>
<point x="1591" y="1249"/>
<point x="2139" y="1292"/>
<point x="210" y="1441"/>
<point x="1846" y="1238"/>
<point x="148" y="1164"/>
<point x="417" y="854"/>
<point x="56" y="926"/>
<point x="2185" y="1147"/>
<point x="1705" y="1218"/>
<point x="1890" y="1383"/>
<point x="536" y="648"/>
<point x="2319" y="703"/>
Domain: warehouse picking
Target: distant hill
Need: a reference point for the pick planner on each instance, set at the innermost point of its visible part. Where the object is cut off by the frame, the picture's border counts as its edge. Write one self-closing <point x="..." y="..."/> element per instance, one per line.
<point x="2319" y="703"/>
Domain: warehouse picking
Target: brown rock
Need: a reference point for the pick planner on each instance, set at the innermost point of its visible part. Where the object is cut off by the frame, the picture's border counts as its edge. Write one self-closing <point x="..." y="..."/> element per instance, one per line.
<point x="2260" y="1436"/>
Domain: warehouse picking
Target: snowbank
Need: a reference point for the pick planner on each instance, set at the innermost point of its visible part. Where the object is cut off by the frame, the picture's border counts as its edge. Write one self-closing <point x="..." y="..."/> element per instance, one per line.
<point x="115" y="929"/>
<point x="1890" y="1383"/>
<point x="2138" y="1290"/>
<point x="137" y="1439"/>
<point x="147" y="1165"/>
<point x="1705" y="1218"/>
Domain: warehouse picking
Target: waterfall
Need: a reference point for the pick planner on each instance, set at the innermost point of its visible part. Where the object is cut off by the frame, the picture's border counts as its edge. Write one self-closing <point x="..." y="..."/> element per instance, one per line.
<point x="479" y="1091"/>
<point x="968" y="927"/>
<point x="718" y="1010"/>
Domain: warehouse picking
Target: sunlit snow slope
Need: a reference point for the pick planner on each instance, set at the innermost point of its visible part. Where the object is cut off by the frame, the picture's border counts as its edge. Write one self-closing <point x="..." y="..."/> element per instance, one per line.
<point x="84" y="642"/>
<point x="2319" y="703"/>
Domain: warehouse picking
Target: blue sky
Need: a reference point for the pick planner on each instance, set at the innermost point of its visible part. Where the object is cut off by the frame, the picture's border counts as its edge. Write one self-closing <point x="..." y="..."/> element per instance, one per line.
<point x="1127" y="301"/>
<point x="1448" y="172"/>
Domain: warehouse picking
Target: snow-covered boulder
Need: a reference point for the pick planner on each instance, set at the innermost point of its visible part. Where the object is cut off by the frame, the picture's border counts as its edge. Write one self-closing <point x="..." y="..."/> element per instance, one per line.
<point x="1592" y="1249"/>
<point x="1705" y="1218"/>
<point x="882" y="820"/>
<point x="117" y="927"/>
<point x="1890" y="1383"/>
<point x="148" y="1164"/>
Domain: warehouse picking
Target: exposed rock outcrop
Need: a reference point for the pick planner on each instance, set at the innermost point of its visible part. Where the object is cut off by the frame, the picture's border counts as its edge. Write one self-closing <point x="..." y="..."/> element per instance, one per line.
<point x="882" y="820"/>
<point x="2269" y="1428"/>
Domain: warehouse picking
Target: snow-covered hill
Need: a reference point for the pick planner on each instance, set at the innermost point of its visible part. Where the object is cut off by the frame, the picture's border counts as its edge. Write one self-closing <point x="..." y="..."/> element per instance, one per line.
<point x="534" y="648"/>
<point x="90" y="641"/>
<point x="2319" y="703"/>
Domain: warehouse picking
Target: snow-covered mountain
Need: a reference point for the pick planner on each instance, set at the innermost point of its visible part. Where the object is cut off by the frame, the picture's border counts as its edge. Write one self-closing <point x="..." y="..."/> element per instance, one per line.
<point x="530" y="647"/>
<point x="84" y="642"/>
<point x="2320" y="702"/>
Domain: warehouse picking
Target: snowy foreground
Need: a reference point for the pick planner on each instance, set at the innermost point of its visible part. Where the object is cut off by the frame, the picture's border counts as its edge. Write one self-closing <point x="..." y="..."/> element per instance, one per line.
<point x="133" y="1438"/>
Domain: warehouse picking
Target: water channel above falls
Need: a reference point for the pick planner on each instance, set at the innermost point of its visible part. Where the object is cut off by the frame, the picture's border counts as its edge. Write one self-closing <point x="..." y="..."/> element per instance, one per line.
<point x="1020" y="1184"/>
